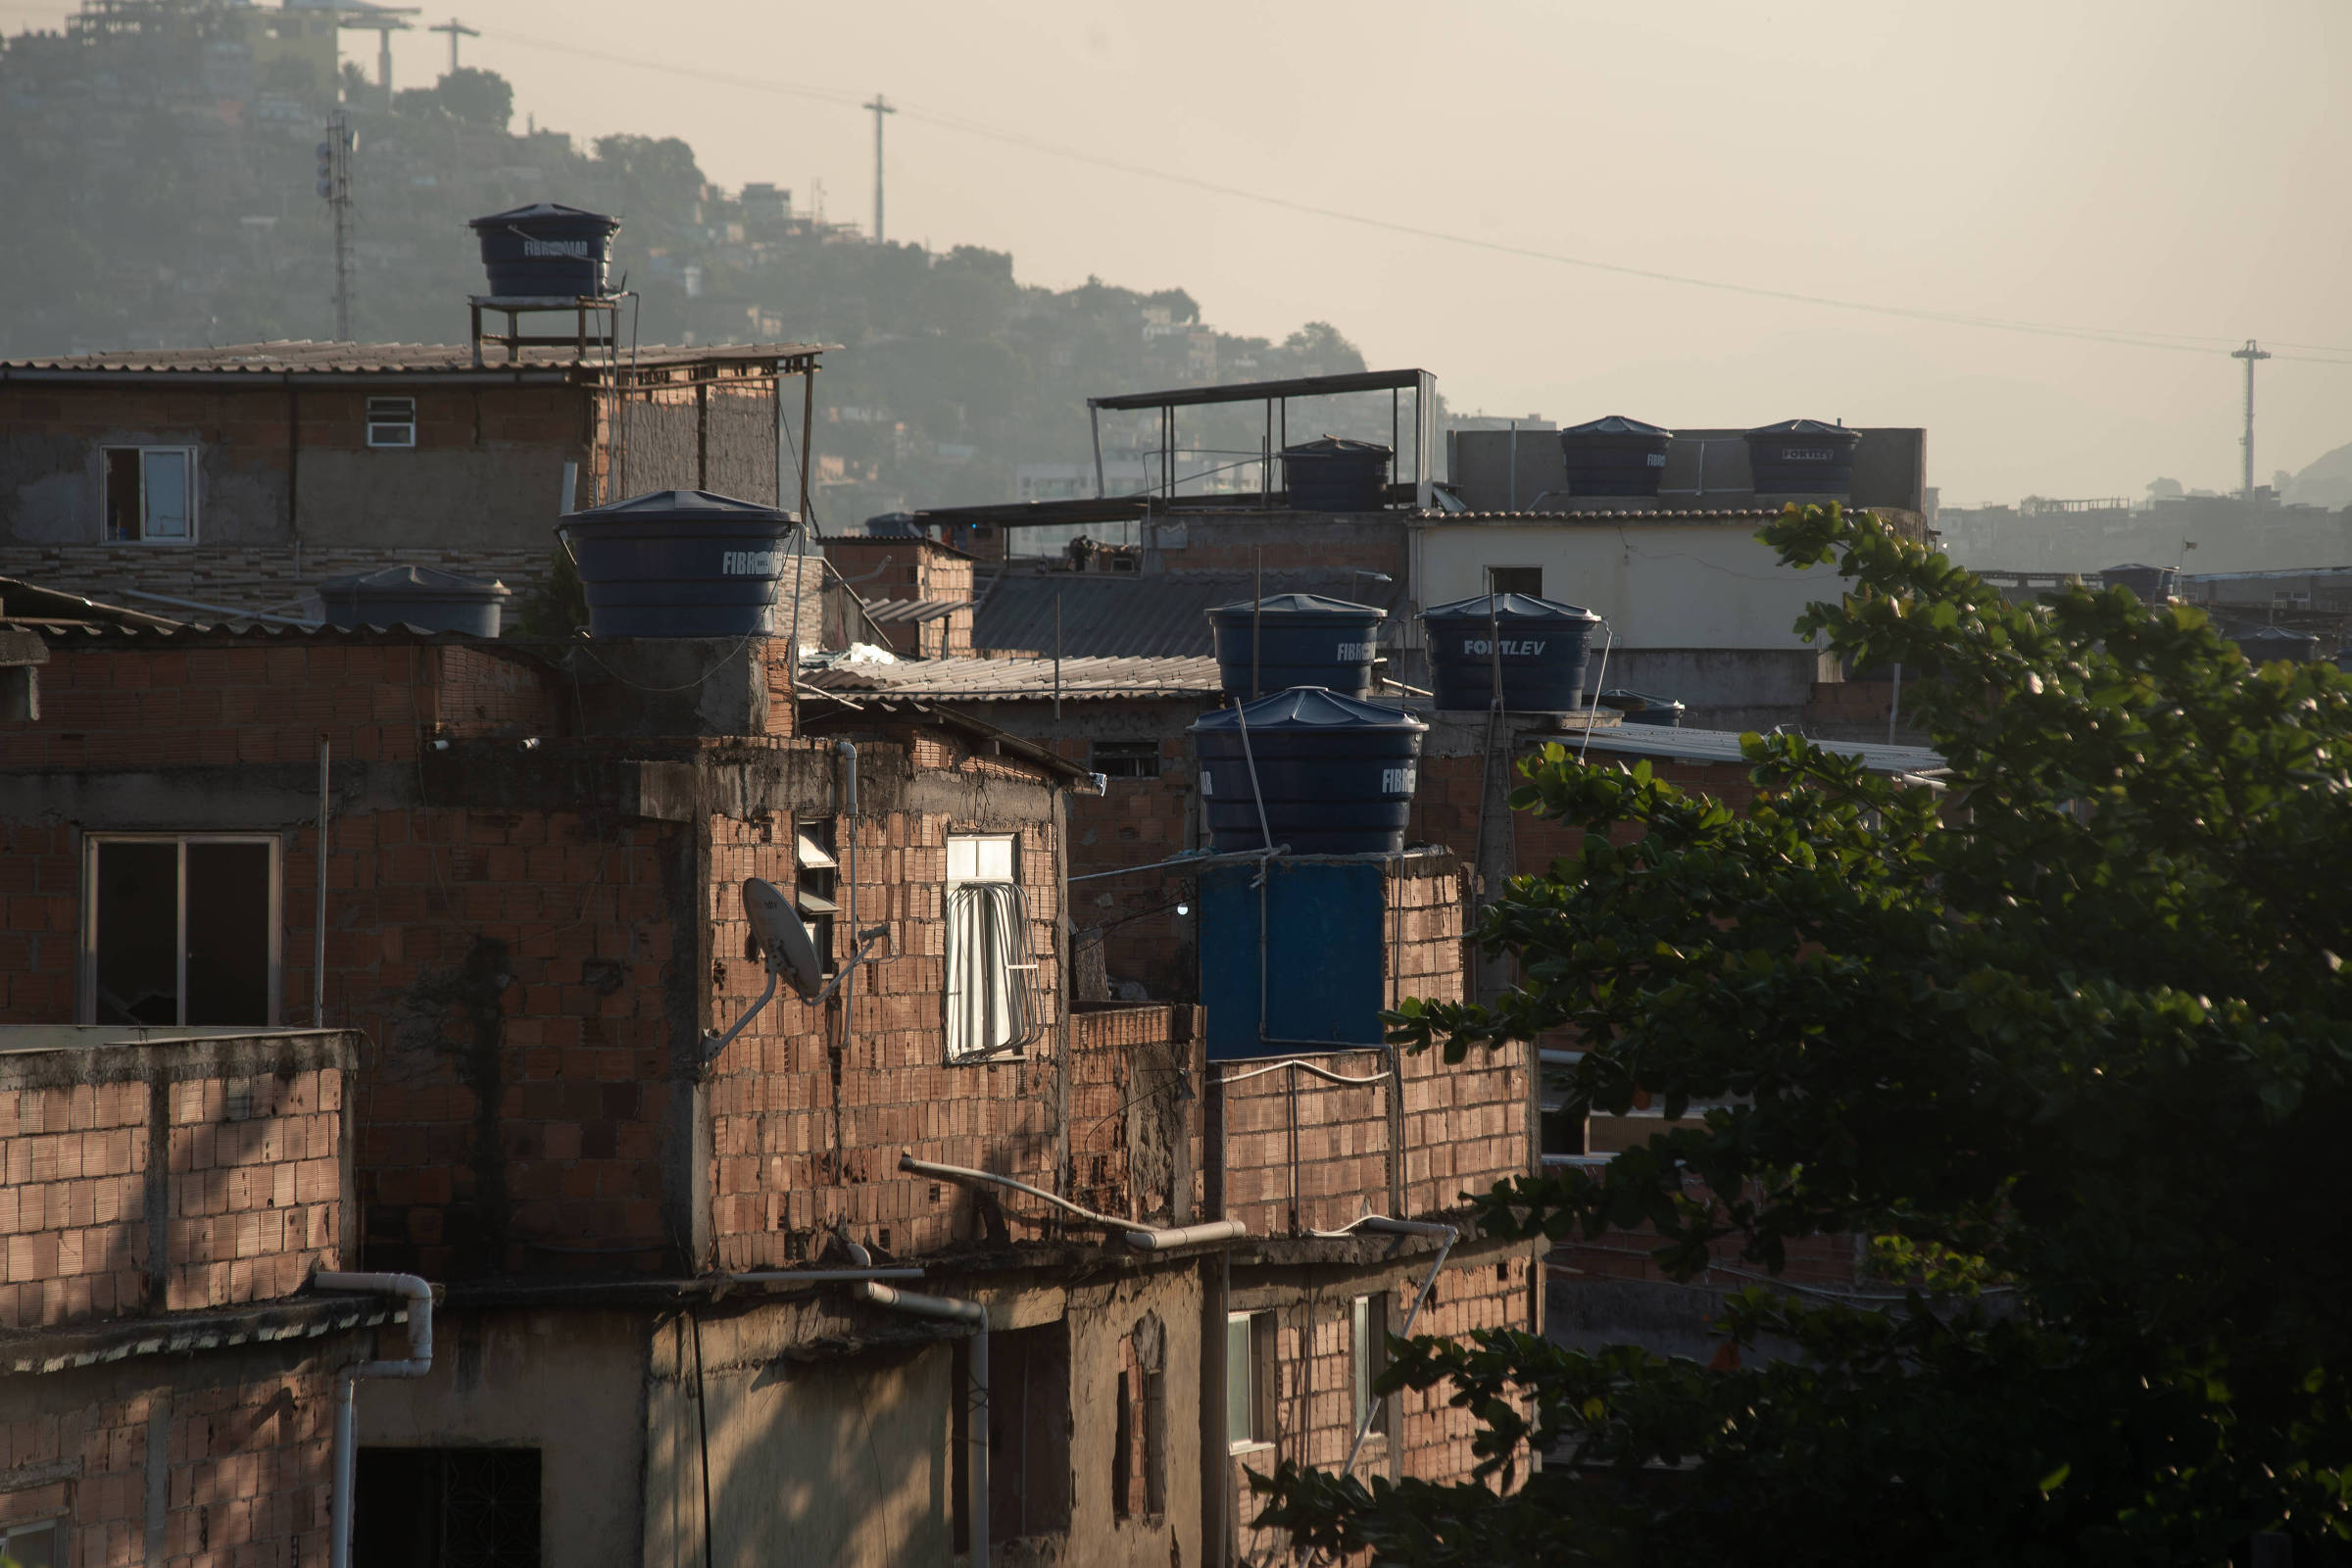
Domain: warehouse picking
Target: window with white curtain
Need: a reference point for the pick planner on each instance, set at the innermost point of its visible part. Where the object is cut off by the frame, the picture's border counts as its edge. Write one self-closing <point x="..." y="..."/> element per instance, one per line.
<point x="989" y="1001"/>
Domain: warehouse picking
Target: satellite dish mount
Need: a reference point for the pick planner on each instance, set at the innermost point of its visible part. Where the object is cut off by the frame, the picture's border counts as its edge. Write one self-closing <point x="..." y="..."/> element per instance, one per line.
<point x="788" y="952"/>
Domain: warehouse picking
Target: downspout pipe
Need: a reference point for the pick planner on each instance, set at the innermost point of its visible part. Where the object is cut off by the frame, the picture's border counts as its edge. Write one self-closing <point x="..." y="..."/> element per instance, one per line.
<point x="973" y="1317"/>
<point x="418" y="1293"/>
<point x="1448" y="1236"/>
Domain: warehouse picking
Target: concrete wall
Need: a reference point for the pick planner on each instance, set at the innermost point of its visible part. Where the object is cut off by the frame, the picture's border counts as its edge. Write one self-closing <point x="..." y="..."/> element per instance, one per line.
<point x="1695" y="585"/>
<point x="570" y="1383"/>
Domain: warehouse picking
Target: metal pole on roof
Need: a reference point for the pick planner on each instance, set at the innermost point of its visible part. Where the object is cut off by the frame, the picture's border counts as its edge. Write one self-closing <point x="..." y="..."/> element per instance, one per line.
<point x="1093" y="418"/>
<point x="318" y="922"/>
<point x="1057" y="663"/>
<point x="1258" y="605"/>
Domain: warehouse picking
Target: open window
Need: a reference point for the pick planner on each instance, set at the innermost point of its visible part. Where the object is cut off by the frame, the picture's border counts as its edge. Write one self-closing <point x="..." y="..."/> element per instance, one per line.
<point x="816" y="882"/>
<point x="446" y="1508"/>
<point x="1249" y="1383"/>
<point x="1125" y="759"/>
<point x="180" y="929"/>
<point x="1028" y="1435"/>
<point x="33" y="1545"/>
<point x="1139" y="1476"/>
<point x="992" y="1006"/>
<point x="150" y="494"/>
<point x="391" y="422"/>
<point x="1371" y="1358"/>
<point x="1528" y="580"/>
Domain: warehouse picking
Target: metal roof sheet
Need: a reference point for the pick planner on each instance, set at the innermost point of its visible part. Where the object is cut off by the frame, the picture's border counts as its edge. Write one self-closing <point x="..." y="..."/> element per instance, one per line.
<point x="1162" y="614"/>
<point x="984" y="680"/>
<point x="1611" y="517"/>
<point x="304" y="357"/>
<point x="912" y="611"/>
<point x="1723" y="746"/>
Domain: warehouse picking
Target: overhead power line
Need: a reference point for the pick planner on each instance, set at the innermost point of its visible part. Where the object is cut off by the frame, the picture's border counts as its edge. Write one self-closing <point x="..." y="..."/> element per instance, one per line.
<point x="2178" y="342"/>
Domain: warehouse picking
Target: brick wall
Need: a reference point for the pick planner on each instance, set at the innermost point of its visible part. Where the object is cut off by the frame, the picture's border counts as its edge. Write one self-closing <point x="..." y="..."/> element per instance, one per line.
<point x="808" y="1130"/>
<point x="1135" y="1117"/>
<point x="245" y="1451"/>
<point x="255" y="700"/>
<point x="233" y="1149"/>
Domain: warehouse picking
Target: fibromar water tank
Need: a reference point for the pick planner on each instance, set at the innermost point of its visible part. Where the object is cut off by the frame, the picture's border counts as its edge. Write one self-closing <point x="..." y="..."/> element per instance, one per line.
<point x="1300" y="640"/>
<point x="2150" y="585"/>
<point x="424" y="597"/>
<point x="1614" y="457"/>
<point x="1541" y="644"/>
<point x="1335" y="474"/>
<point x="1642" y="708"/>
<point x="1802" y="458"/>
<point x="679" y="563"/>
<point x="1334" y="775"/>
<point x="2267" y="644"/>
<point x="545" y="251"/>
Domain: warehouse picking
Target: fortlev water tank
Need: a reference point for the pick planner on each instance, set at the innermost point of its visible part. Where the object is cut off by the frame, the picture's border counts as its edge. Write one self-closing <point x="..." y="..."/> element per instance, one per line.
<point x="1302" y="640"/>
<point x="1802" y="458"/>
<point x="1335" y="476"/>
<point x="545" y="251"/>
<point x="1541" y="645"/>
<point x="2265" y="644"/>
<point x="2150" y="585"/>
<point x="1337" y="775"/>
<point x="679" y="563"/>
<point x="1614" y="457"/>
<point x="424" y="597"/>
<point x="1641" y="707"/>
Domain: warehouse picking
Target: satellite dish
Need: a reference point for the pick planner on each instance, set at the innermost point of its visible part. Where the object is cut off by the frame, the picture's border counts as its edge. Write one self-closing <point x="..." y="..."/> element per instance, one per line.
<point x="782" y="935"/>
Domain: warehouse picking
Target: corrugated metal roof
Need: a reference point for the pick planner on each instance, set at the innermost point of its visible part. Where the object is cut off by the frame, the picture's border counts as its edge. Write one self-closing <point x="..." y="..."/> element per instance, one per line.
<point x="1723" y="746"/>
<point x="1611" y="517"/>
<point x="304" y="357"/>
<point x="915" y="611"/>
<point x="1154" y="615"/>
<point x="986" y="681"/>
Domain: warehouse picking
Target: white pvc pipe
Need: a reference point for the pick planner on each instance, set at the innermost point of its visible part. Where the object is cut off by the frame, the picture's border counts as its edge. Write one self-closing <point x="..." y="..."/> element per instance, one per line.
<point x="1402" y="1227"/>
<point x="974" y="1316"/>
<point x="418" y="1293"/>
<point x="1160" y="1241"/>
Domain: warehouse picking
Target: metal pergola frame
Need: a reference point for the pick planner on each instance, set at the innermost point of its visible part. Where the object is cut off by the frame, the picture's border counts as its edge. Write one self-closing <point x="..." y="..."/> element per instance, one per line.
<point x="1276" y="396"/>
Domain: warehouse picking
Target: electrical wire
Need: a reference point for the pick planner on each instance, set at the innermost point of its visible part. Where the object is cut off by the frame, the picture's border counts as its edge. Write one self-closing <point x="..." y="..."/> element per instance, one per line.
<point x="2179" y="342"/>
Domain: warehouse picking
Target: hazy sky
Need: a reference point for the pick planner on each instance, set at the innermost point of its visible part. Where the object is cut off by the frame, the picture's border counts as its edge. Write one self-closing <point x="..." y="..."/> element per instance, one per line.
<point x="2144" y="168"/>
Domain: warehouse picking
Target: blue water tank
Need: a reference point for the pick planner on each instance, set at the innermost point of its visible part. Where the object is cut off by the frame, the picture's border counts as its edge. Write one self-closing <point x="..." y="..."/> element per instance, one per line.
<point x="1312" y="967"/>
<point x="2267" y="644"/>
<point x="1301" y="640"/>
<point x="424" y="597"/>
<point x="1336" y="475"/>
<point x="545" y="251"/>
<point x="1614" y="457"/>
<point x="1335" y="776"/>
<point x="1802" y="458"/>
<point x="1544" y="647"/>
<point x="2151" y="585"/>
<point x="679" y="563"/>
<point x="1641" y="707"/>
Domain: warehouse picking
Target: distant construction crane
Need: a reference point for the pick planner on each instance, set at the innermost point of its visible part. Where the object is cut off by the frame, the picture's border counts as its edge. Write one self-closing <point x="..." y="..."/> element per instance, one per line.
<point x="879" y="107"/>
<point x="456" y="29"/>
<point x="2250" y="353"/>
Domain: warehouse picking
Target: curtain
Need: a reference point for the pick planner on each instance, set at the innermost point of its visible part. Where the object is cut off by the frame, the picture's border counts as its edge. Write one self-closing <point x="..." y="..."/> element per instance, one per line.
<point x="985" y="990"/>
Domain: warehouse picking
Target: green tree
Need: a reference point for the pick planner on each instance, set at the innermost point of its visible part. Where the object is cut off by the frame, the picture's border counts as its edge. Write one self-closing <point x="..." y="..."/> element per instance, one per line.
<point x="481" y="98"/>
<point x="2068" y="1039"/>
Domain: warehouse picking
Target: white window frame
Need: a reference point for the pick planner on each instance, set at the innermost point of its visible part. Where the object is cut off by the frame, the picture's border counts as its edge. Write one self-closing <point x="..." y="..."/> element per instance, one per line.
<point x="1368" y="1357"/>
<point x="397" y="425"/>
<point x="1258" y="1362"/>
<point x="86" y="1003"/>
<point x="979" y="860"/>
<point x="55" y="1525"/>
<point x="106" y="478"/>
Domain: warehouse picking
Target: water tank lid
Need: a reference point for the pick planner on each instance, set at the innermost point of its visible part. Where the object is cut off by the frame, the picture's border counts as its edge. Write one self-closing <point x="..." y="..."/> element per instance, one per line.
<point x="684" y="506"/>
<point x="894" y="525"/>
<point x="404" y="580"/>
<point x="1311" y="708"/>
<point x="1513" y="606"/>
<point x="2276" y="634"/>
<point x="1302" y="604"/>
<point x="1806" y="427"/>
<point x="1615" y="424"/>
<point x="539" y="212"/>
<point x="1623" y="697"/>
<point x="1333" y="446"/>
<point x="2136" y="566"/>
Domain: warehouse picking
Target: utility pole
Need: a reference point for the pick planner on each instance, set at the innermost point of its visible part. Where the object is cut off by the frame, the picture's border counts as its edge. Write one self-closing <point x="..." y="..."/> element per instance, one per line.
<point x="456" y="29"/>
<point x="880" y="107"/>
<point x="334" y="188"/>
<point x="2250" y="353"/>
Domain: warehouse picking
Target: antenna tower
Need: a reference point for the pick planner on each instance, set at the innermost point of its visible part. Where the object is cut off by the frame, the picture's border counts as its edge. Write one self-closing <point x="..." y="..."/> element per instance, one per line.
<point x="334" y="188"/>
<point x="456" y="29"/>
<point x="2250" y="353"/>
<point x="879" y="107"/>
